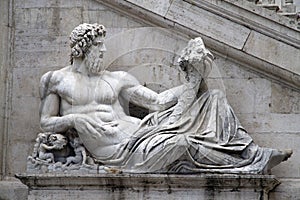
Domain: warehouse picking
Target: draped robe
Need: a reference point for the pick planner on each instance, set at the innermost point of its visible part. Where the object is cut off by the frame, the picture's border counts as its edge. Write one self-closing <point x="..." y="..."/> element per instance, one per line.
<point x="208" y="137"/>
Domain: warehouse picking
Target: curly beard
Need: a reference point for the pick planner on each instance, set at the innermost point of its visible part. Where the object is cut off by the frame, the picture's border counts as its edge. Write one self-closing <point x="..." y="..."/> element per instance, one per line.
<point x="94" y="64"/>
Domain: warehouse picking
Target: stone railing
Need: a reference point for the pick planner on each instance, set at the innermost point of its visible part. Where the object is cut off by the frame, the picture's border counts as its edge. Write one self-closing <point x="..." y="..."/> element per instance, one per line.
<point x="282" y="7"/>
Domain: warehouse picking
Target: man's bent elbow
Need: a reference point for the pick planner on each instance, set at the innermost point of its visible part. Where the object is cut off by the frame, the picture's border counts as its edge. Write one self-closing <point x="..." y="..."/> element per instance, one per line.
<point x="56" y="124"/>
<point x="45" y="125"/>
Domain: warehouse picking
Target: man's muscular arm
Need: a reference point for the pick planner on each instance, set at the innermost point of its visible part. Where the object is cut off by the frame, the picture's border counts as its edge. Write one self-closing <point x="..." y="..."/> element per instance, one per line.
<point x="147" y="98"/>
<point x="50" y="119"/>
<point x="49" y="110"/>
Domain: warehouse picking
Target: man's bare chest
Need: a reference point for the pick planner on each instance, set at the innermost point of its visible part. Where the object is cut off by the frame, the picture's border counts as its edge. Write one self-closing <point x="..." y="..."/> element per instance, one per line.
<point x="80" y="90"/>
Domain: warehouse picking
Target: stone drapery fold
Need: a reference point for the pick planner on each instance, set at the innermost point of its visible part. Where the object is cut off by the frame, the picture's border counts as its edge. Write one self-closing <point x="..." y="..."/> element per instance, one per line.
<point x="207" y="138"/>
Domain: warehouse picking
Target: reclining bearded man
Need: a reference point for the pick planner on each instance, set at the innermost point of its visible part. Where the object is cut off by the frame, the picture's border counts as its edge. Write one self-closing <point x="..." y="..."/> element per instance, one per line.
<point x="190" y="130"/>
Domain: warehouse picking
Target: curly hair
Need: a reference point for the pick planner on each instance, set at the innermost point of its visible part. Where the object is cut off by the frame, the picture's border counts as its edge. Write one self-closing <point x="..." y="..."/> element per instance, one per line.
<point x="82" y="37"/>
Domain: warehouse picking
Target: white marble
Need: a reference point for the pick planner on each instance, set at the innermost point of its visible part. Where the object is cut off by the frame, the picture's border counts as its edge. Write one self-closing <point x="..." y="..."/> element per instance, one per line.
<point x="25" y="57"/>
<point x="90" y="106"/>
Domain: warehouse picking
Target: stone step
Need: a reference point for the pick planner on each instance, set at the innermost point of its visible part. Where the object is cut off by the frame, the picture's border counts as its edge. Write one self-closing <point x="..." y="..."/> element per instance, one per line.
<point x="295" y="17"/>
<point x="282" y="7"/>
<point x="290" y="8"/>
<point x="270" y="6"/>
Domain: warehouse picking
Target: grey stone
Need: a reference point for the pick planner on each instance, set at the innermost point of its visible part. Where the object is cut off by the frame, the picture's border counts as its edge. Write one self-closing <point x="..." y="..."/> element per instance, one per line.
<point x="157" y="6"/>
<point x="35" y="43"/>
<point x="288" y="189"/>
<point x="284" y="100"/>
<point x="15" y="156"/>
<point x="225" y="68"/>
<point x="157" y="39"/>
<point x="54" y="21"/>
<point x="273" y="51"/>
<point x="25" y="118"/>
<point x="201" y="20"/>
<point x="5" y="58"/>
<point x="42" y="58"/>
<point x="240" y="12"/>
<point x="270" y="122"/>
<point x="25" y="86"/>
<point x="149" y="186"/>
<point x="282" y="140"/>
<point x="251" y="95"/>
<point x="111" y="19"/>
<point x="10" y="190"/>
<point x="47" y="3"/>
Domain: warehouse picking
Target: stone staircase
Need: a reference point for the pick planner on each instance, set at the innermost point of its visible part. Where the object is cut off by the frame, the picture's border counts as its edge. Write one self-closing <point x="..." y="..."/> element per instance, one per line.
<point x="282" y="7"/>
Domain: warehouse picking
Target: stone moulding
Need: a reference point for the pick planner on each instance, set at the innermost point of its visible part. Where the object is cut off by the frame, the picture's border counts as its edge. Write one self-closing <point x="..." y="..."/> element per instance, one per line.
<point x="254" y="19"/>
<point x="137" y="186"/>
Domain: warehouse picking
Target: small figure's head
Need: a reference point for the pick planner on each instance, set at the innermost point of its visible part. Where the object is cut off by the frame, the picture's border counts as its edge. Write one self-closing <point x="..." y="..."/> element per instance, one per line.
<point x="197" y="56"/>
<point x="76" y="142"/>
<point x="52" y="138"/>
<point x="57" y="140"/>
<point x="41" y="138"/>
<point x="87" y="42"/>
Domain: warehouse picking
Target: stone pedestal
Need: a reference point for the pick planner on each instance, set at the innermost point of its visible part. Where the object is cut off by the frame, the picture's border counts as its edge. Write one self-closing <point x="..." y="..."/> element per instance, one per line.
<point x="148" y="186"/>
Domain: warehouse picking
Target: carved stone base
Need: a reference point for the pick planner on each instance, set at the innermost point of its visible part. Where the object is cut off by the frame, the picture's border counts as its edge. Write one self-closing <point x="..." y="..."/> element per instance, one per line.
<point x="148" y="186"/>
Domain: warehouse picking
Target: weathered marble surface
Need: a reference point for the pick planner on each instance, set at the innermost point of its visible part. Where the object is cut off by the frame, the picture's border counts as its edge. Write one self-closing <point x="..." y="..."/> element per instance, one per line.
<point x="189" y="128"/>
<point x="149" y="186"/>
<point x="35" y="51"/>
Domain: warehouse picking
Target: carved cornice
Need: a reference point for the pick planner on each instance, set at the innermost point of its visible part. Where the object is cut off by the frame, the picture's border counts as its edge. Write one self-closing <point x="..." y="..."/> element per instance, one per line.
<point x="256" y="18"/>
<point x="256" y="25"/>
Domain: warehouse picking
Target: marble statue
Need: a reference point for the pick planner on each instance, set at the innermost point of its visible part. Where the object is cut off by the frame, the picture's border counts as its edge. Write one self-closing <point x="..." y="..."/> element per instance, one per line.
<point x="80" y="153"/>
<point x="189" y="130"/>
<point x="44" y="143"/>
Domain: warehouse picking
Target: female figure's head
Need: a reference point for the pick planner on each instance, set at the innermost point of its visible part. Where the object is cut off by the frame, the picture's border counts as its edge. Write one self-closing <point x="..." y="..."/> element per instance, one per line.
<point x="196" y="57"/>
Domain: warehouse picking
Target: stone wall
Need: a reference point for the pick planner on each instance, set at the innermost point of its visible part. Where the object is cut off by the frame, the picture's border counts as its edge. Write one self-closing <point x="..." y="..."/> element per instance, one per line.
<point x="35" y="40"/>
<point x="41" y="30"/>
<point x="4" y="65"/>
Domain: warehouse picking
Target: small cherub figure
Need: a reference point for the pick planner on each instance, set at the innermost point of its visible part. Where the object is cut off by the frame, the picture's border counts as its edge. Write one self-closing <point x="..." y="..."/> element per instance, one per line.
<point x="80" y="153"/>
<point x="37" y="144"/>
<point x="41" y="148"/>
